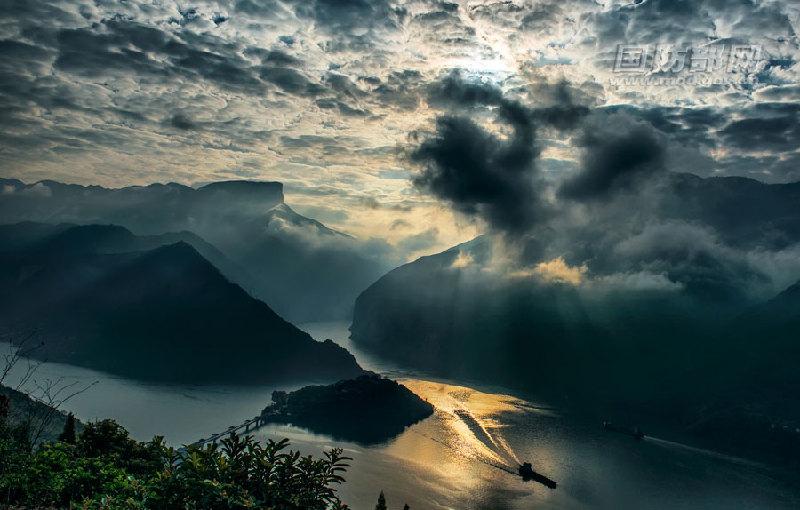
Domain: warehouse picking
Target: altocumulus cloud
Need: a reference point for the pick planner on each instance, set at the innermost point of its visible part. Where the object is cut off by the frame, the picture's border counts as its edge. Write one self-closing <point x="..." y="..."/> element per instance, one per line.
<point x="140" y="91"/>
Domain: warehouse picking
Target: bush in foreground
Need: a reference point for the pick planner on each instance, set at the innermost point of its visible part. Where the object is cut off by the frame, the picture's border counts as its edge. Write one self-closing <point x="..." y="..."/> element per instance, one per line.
<point x="106" y="469"/>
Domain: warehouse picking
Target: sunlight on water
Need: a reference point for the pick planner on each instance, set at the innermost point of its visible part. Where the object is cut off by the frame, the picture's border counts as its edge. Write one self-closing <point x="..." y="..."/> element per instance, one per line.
<point x="453" y="459"/>
<point x="470" y="417"/>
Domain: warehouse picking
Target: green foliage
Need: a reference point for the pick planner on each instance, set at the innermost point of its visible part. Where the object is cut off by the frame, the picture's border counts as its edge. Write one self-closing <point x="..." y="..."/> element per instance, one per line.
<point x="106" y="469"/>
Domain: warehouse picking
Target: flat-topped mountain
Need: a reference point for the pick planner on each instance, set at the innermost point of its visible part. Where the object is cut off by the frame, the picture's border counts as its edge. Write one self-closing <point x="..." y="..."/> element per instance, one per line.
<point x="160" y="313"/>
<point x="301" y="268"/>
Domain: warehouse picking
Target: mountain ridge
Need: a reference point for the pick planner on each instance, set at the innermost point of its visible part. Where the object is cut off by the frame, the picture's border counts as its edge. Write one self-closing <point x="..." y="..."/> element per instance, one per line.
<point x="283" y="258"/>
<point x="162" y="314"/>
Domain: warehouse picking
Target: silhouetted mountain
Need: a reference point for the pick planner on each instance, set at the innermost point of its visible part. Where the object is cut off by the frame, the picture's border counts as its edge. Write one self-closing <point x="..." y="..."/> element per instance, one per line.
<point x="692" y="354"/>
<point x="768" y="336"/>
<point x="66" y="237"/>
<point x="664" y="361"/>
<point x="524" y="333"/>
<point x="162" y="313"/>
<point x="456" y="313"/>
<point x="368" y="410"/>
<point x="303" y="269"/>
<point x="772" y="219"/>
<point x="754" y="406"/>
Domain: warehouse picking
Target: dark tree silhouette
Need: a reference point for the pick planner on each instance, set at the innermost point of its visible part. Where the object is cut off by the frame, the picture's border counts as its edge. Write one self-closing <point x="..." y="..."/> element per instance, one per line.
<point x="68" y="434"/>
<point x="4" y="405"/>
<point x="381" y="502"/>
<point x="405" y="507"/>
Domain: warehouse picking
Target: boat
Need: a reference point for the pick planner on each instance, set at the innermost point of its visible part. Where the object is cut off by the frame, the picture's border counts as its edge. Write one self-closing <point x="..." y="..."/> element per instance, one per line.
<point x="634" y="432"/>
<point x="528" y="474"/>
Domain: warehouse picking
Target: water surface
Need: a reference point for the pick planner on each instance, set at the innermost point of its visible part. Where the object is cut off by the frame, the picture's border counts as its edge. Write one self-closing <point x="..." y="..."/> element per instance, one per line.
<point x="455" y="458"/>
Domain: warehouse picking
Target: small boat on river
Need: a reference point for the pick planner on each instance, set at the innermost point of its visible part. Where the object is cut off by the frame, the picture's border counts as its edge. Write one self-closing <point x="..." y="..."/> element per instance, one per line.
<point x="528" y="474"/>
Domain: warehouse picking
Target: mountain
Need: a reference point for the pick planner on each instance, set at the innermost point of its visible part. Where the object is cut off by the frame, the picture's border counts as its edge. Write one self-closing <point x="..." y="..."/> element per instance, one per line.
<point x="767" y="337"/>
<point x="301" y="268"/>
<point x="755" y="410"/>
<point x="152" y="209"/>
<point x="455" y="313"/>
<point x="689" y="354"/>
<point x="772" y="219"/>
<point x="460" y="321"/>
<point x="675" y="366"/>
<point x="109" y="239"/>
<point x="162" y="313"/>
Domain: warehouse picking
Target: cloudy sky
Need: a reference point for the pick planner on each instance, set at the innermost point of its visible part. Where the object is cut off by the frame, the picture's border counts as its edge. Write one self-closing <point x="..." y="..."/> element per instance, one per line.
<point x="352" y="103"/>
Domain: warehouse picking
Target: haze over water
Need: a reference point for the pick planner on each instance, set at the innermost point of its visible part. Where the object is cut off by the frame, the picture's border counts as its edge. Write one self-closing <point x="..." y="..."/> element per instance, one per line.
<point x="455" y="459"/>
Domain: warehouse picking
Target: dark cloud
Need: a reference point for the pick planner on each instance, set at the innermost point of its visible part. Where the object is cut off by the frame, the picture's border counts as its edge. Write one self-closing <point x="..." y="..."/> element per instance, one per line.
<point x="307" y="141"/>
<point x="758" y="140"/>
<point x="15" y="53"/>
<point x="343" y="85"/>
<point x="224" y="70"/>
<point x="622" y="213"/>
<point x="274" y="57"/>
<point x="258" y="7"/>
<point x="106" y="48"/>
<point x="561" y="111"/>
<point x="772" y="127"/>
<point x="124" y="46"/>
<point x="344" y="108"/>
<point x="349" y="15"/>
<point x="182" y="121"/>
<point x="453" y="91"/>
<point x="401" y="89"/>
<point x="371" y="80"/>
<point x="618" y="152"/>
<point x="784" y="93"/>
<point x="291" y="81"/>
<point x="481" y="173"/>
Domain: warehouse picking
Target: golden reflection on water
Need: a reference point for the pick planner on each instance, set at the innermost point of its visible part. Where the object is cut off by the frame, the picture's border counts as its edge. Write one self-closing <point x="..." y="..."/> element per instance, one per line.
<point x="463" y="445"/>
<point x="465" y="428"/>
<point x="470" y="418"/>
<point x="449" y="459"/>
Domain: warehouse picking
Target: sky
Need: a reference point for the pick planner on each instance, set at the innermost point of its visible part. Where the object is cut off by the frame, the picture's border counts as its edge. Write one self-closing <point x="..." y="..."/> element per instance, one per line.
<point x="361" y="107"/>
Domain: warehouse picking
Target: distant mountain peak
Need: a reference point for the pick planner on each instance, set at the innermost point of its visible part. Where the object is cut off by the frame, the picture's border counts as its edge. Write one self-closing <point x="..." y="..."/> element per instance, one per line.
<point x="283" y="218"/>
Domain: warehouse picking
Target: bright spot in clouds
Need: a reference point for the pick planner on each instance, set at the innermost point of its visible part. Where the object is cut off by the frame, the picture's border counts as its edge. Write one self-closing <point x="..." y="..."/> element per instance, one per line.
<point x="558" y="271"/>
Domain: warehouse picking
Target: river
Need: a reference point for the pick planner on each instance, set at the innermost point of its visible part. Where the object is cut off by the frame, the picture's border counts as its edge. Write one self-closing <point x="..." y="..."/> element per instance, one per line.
<point x="449" y="461"/>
